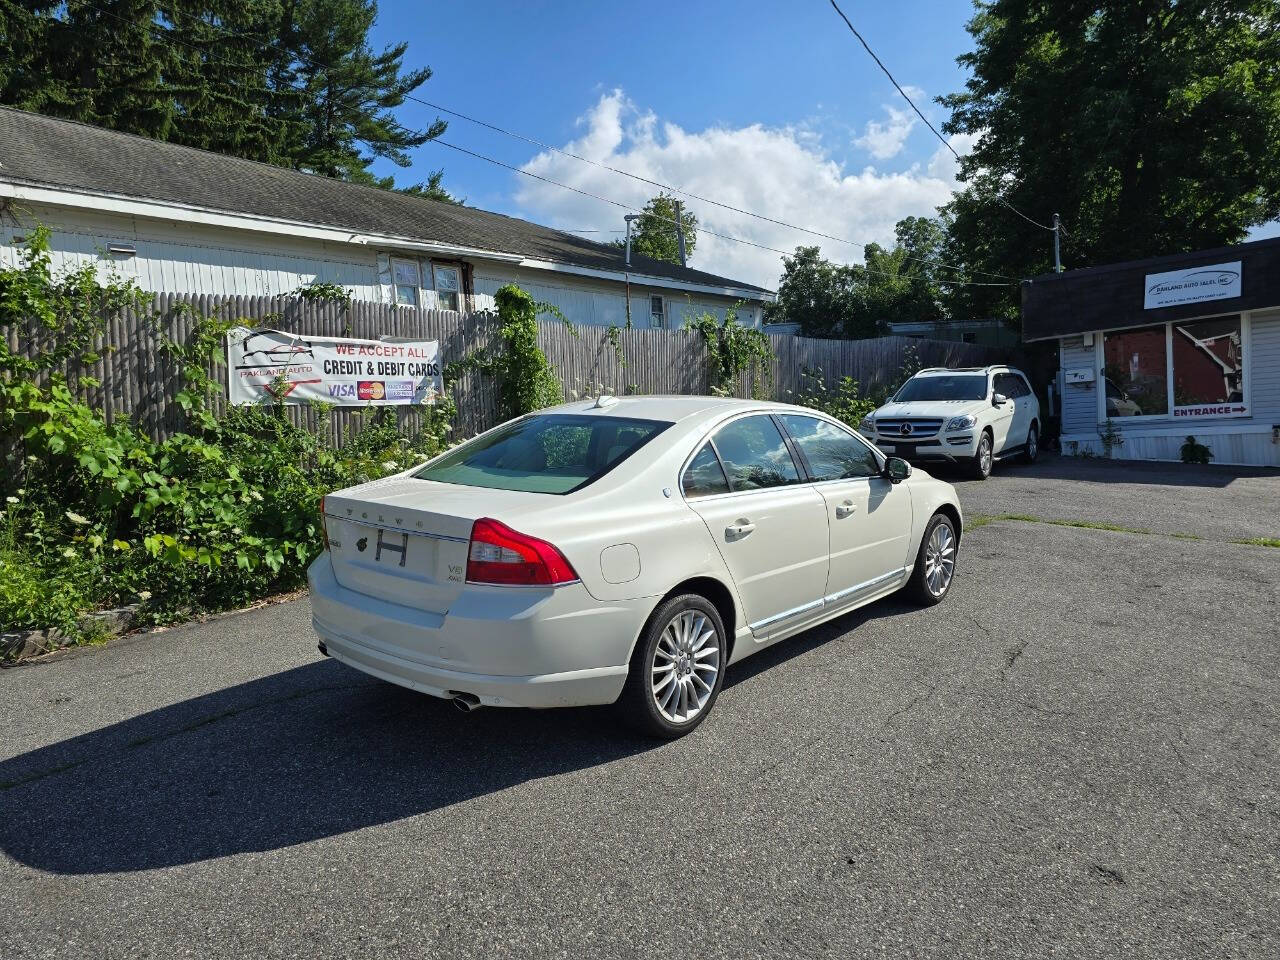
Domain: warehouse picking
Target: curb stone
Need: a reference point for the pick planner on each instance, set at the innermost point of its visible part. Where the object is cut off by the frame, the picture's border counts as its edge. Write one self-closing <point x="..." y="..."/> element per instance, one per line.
<point x="19" y="645"/>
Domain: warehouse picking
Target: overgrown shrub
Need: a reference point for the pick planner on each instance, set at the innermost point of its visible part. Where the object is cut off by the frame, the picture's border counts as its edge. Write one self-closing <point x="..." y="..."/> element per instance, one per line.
<point x="98" y="514"/>
<point x="525" y="380"/>
<point x="844" y="401"/>
<point x="732" y="352"/>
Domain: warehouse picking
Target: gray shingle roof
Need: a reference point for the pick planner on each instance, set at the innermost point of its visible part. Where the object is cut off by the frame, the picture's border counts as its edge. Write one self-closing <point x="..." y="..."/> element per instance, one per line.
<point x="63" y="153"/>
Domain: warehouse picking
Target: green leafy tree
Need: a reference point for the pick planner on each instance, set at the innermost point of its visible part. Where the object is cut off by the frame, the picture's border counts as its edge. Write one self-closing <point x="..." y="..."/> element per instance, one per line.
<point x="654" y="234"/>
<point x="1152" y="126"/>
<point x="822" y="297"/>
<point x="859" y="300"/>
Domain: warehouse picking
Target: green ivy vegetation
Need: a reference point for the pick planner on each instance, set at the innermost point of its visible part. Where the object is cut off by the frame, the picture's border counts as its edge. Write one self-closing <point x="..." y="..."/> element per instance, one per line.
<point x="98" y="514"/>
<point x="525" y="380"/>
<point x="846" y="400"/>
<point x="732" y="352"/>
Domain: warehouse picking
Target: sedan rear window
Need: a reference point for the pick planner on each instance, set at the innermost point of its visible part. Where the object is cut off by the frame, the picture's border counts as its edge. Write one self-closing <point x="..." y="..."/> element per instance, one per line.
<point x="967" y="386"/>
<point x="547" y="453"/>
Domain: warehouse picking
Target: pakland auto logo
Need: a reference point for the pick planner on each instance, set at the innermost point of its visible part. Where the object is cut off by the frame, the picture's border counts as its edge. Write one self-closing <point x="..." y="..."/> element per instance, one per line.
<point x="1210" y="281"/>
<point x="1190" y="281"/>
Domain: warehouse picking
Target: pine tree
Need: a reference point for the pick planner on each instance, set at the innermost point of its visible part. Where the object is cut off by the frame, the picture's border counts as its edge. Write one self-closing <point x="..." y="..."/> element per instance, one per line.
<point x="351" y="91"/>
<point x="289" y="82"/>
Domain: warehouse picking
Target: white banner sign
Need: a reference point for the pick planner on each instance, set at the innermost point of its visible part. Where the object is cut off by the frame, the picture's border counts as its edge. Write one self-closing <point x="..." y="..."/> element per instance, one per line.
<point x="270" y="366"/>
<point x="1219" y="281"/>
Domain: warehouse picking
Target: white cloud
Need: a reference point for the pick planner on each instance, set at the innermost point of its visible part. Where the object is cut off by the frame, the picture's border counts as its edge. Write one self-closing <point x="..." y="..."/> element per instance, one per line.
<point x="778" y="172"/>
<point x="885" y="140"/>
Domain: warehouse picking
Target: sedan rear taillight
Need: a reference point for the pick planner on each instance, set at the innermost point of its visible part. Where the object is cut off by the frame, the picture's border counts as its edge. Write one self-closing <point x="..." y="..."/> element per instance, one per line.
<point x="498" y="554"/>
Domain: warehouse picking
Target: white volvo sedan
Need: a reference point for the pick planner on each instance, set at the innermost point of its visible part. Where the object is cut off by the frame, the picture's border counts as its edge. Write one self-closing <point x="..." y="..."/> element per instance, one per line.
<point x="623" y="550"/>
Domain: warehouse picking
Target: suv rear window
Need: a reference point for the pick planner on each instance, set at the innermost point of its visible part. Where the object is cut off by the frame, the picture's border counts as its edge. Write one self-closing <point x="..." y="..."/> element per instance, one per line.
<point x="960" y="386"/>
<point x="548" y="453"/>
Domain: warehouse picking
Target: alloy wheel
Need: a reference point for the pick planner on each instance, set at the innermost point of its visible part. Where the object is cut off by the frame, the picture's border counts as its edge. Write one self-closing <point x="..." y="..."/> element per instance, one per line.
<point x="686" y="663"/>
<point x="984" y="454"/>
<point x="940" y="559"/>
<point x="1032" y="445"/>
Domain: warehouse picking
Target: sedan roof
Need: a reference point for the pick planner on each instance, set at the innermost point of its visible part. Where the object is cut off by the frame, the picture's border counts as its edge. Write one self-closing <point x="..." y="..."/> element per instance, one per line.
<point x="670" y="408"/>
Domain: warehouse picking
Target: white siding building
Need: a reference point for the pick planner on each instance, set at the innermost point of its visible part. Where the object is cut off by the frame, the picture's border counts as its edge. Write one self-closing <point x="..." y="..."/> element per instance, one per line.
<point x="180" y="220"/>
<point x="1154" y="351"/>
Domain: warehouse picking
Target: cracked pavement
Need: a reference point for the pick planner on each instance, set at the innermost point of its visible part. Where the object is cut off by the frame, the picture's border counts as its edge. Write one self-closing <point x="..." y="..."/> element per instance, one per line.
<point x="1075" y="753"/>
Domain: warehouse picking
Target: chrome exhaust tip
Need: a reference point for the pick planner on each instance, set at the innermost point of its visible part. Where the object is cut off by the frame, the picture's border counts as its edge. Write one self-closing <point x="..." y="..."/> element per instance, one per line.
<point x="466" y="702"/>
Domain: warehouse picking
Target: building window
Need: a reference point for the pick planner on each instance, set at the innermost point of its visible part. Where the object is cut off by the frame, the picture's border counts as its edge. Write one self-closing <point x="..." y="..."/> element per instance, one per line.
<point x="404" y="275"/>
<point x="657" y="312"/>
<point x="1208" y="362"/>
<point x="1135" y="370"/>
<point x="448" y="284"/>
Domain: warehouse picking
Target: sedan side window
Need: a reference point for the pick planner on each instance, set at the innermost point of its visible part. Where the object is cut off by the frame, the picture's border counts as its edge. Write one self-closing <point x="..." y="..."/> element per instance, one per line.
<point x="755" y="455"/>
<point x="830" y="452"/>
<point x="704" y="476"/>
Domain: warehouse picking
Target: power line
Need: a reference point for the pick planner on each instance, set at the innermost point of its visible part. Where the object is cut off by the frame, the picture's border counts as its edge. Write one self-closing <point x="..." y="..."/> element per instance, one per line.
<point x="585" y="193"/>
<point x="533" y="141"/>
<point x="702" y="230"/>
<point x="680" y="190"/>
<point x="946" y="143"/>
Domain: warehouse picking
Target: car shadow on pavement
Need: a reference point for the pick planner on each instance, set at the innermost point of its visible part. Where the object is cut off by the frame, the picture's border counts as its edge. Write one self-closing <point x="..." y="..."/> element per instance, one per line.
<point x="311" y="752"/>
<point x="1097" y="470"/>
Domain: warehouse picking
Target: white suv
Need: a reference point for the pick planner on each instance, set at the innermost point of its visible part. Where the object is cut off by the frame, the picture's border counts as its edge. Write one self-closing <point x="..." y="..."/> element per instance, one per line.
<point x="972" y="416"/>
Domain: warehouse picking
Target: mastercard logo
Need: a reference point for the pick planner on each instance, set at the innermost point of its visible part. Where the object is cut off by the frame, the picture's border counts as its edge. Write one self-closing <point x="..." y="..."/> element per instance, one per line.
<point x="371" y="390"/>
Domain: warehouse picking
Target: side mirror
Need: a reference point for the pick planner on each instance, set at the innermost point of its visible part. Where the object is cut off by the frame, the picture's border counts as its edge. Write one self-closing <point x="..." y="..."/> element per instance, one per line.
<point x="896" y="469"/>
<point x="998" y="399"/>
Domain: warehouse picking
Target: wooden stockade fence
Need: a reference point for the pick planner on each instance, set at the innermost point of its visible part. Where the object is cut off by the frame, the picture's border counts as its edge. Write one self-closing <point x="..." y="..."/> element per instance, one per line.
<point x="138" y="378"/>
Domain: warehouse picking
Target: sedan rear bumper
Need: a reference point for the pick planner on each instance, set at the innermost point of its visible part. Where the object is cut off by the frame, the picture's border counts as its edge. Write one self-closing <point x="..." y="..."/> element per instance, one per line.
<point x="510" y="648"/>
<point x="573" y="688"/>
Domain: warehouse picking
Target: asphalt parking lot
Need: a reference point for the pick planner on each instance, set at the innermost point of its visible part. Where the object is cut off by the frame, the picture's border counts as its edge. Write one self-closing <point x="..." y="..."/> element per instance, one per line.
<point x="1075" y="754"/>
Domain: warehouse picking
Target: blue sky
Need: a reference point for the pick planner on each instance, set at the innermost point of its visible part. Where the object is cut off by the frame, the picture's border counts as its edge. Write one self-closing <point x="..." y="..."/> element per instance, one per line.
<point x="763" y="105"/>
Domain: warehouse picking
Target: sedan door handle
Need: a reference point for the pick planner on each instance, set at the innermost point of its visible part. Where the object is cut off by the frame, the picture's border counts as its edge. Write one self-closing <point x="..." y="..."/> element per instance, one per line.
<point x="738" y="529"/>
<point x="845" y="509"/>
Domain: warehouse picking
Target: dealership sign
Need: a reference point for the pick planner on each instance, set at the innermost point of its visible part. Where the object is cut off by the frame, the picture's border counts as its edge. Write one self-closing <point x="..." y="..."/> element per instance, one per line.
<point x="271" y="366"/>
<point x="1219" y="281"/>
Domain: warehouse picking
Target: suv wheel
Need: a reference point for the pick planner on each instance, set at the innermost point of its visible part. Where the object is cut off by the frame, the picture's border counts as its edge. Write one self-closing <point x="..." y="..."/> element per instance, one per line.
<point x="1032" y="449"/>
<point x="980" y="466"/>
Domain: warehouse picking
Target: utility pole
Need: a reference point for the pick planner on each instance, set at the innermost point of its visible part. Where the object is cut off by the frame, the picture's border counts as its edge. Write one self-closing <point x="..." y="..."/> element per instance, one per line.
<point x="627" y="274"/>
<point x="680" y="234"/>
<point x="1057" y="249"/>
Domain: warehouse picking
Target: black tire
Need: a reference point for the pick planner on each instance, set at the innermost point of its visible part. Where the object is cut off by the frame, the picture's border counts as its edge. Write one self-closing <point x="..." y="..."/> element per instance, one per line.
<point x="918" y="588"/>
<point x="639" y="704"/>
<point x="980" y="465"/>
<point x="1032" y="449"/>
